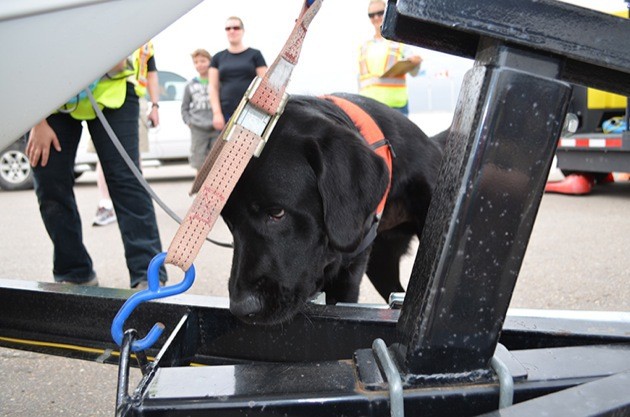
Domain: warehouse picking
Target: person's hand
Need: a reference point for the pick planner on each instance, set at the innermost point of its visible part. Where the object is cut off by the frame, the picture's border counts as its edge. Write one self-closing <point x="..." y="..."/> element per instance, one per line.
<point x="218" y="122"/>
<point x="116" y="69"/>
<point x="154" y="116"/>
<point x="40" y="140"/>
<point x="415" y="59"/>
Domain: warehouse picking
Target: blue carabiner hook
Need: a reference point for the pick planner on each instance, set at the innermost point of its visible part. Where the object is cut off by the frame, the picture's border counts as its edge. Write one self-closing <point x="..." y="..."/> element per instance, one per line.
<point x="152" y="293"/>
<point x="309" y="3"/>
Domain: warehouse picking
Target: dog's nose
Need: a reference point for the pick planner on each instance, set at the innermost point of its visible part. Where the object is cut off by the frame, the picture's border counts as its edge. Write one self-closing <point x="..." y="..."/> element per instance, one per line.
<point x="248" y="305"/>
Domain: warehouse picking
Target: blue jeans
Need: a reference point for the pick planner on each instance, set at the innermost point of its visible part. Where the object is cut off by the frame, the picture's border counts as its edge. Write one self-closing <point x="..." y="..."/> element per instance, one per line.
<point x="134" y="209"/>
<point x="404" y="109"/>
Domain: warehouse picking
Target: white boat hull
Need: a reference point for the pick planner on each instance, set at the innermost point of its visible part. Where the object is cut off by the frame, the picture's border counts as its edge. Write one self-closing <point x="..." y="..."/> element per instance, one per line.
<point x="52" y="49"/>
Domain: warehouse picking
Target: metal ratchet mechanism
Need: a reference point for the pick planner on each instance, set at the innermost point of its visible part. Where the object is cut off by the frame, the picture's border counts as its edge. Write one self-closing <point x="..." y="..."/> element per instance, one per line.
<point x="254" y="119"/>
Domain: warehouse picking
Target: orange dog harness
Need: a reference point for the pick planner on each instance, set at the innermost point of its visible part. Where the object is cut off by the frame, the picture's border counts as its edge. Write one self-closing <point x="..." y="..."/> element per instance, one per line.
<point x="375" y="139"/>
<point x="372" y="134"/>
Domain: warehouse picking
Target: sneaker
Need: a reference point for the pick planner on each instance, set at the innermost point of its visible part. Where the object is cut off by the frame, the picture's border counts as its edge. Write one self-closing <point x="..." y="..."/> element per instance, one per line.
<point x="104" y="216"/>
<point x="91" y="283"/>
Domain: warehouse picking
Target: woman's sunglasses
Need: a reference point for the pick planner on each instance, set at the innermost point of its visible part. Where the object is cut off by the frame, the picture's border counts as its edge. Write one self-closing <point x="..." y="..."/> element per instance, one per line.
<point x="227" y="29"/>
<point x="373" y="15"/>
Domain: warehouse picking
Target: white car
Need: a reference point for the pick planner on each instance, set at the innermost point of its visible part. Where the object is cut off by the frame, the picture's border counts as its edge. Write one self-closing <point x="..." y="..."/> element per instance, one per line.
<point x="15" y="169"/>
<point x="168" y="143"/>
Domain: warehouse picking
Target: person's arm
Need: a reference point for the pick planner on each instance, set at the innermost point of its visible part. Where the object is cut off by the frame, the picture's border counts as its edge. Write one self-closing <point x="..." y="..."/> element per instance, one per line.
<point x="40" y="140"/>
<point x="414" y="57"/>
<point x="218" y="121"/>
<point x="261" y="64"/>
<point x="153" y="87"/>
<point x="260" y="71"/>
<point x="186" y="105"/>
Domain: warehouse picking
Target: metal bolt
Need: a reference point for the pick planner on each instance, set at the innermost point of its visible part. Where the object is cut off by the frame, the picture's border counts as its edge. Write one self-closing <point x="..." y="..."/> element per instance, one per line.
<point x="570" y="125"/>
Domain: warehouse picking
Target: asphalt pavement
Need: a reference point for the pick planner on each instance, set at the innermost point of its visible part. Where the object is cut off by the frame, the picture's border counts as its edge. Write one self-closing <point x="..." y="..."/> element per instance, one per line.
<point x="576" y="259"/>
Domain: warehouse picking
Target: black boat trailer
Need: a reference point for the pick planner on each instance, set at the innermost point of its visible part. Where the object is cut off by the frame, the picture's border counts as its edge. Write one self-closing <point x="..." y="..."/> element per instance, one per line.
<point x="448" y="349"/>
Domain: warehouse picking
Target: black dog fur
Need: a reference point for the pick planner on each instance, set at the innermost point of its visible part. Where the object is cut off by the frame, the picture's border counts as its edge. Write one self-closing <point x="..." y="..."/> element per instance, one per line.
<point x="302" y="208"/>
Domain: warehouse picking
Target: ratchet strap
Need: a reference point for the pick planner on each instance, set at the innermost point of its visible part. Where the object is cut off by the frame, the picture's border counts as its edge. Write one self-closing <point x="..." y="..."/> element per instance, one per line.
<point x="243" y="137"/>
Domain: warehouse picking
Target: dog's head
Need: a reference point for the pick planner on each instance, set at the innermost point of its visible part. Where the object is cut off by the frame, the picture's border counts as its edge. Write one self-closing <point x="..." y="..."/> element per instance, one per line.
<point x="297" y="208"/>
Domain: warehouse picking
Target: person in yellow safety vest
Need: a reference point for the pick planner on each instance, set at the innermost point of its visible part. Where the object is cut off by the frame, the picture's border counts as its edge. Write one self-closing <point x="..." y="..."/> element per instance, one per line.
<point x="376" y="57"/>
<point x="52" y="148"/>
<point x="145" y="78"/>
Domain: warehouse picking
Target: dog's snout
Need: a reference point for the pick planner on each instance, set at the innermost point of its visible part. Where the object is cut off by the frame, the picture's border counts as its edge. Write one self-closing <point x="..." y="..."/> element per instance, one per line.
<point x="246" y="306"/>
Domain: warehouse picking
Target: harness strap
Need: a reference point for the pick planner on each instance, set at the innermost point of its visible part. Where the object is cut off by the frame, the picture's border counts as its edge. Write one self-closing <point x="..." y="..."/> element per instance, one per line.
<point x="241" y="139"/>
<point x="372" y="135"/>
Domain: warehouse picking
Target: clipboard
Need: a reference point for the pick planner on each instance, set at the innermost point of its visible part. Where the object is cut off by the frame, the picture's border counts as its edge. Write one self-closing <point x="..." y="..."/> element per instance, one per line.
<point x="399" y="68"/>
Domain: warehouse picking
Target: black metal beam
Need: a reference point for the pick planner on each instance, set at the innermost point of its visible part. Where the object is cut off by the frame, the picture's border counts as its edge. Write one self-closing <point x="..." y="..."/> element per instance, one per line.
<point x="332" y="388"/>
<point x="592" y="45"/>
<point x="81" y="316"/>
<point x="73" y="316"/>
<point x="48" y="313"/>
<point x="496" y="162"/>
<point x="498" y="156"/>
<point x="603" y="397"/>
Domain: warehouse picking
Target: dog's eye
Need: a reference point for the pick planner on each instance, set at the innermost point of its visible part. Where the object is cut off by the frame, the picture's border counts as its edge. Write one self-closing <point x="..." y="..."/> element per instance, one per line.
<point x="275" y="214"/>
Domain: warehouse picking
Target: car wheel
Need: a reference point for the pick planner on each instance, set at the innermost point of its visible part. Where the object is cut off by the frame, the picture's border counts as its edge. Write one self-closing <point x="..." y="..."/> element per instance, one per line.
<point x="15" y="169"/>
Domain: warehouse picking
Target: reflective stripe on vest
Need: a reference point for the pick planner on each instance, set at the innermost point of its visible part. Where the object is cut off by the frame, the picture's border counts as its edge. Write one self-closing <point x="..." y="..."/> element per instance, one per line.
<point x="379" y="65"/>
<point x="141" y="63"/>
<point x="388" y="82"/>
<point x="390" y="91"/>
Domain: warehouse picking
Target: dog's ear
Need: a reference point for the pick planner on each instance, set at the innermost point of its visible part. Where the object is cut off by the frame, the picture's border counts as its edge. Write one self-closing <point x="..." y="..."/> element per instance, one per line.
<point x="351" y="179"/>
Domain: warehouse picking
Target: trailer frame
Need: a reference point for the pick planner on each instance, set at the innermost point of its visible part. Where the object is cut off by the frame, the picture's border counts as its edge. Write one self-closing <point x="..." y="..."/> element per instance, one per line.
<point x="450" y="344"/>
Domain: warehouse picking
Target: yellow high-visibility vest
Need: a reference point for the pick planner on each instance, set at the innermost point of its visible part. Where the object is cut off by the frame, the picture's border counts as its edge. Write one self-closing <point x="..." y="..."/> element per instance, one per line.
<point x="375" y="58"/>
<point x="141" y="58"/>
<point x="111" y="89"/>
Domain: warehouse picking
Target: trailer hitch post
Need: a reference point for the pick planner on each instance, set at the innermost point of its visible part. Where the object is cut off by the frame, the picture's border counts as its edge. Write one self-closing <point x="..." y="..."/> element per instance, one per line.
<point x="500" y="148"/>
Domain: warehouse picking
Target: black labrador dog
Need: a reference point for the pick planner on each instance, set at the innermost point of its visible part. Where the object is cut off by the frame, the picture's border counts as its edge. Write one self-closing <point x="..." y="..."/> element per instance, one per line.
<point x="302" y="209"/>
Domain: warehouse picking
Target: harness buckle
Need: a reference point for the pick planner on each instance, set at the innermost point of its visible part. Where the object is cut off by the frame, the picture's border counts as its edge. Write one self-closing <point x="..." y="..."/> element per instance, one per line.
<point x="254" y="119"/>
